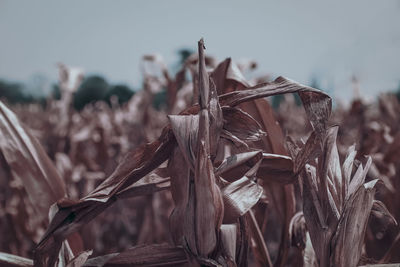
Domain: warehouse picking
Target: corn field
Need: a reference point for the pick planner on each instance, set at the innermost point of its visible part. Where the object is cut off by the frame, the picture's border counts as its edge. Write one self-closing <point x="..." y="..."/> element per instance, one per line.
<point x="216" y="177"/>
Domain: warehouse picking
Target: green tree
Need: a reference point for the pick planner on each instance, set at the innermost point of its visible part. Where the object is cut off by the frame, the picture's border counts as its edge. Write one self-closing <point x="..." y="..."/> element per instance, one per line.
<point x="398" y="92"/>
<point x="184" y="53"/>
<point x="121" y="91"/>
<point x="92" y="89"/>
<point x="14" y="93"/>
<point x="160" y="100"/>
<point x="55" y="91"/>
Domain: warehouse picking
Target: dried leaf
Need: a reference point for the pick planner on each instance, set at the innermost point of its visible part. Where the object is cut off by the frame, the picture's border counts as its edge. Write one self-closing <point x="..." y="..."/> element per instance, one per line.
<point x="225" y="75"/>
<point x="134" y="166"/>
<point x="276" y="168"/>
<point x="259" y="242"/>
<point x="336" y="219"/>
<point x="332" y="169"/>
<point x="316" y="103"/>
<point x="235" y="166"/>
<point x="80" y="259"/>
<point x="216" y="120"/>
<point x="182" y="191"/>
<point x="298" y="231"/>
<point x="228" y="239"/>
<point x="143" y="255"/>
<point x="318" y="108"/>
<point x="150" y="184"/>
<point x="208" y="200"/>
<point x="72" y="215"/>
<point x="12" y="260"/>
<point x="29" y="163"/>
<point x="380" y="211"/>
<point x="241" y="124"/>
<point x="348" y="168"/>
<point x="239" y="197"/>
<point x="349" y="237"/>
<point x="359" y="178"/>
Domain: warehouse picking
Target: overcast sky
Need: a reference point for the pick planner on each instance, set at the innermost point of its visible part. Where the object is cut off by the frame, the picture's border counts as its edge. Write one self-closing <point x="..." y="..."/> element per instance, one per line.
<point x="297" y="39"/>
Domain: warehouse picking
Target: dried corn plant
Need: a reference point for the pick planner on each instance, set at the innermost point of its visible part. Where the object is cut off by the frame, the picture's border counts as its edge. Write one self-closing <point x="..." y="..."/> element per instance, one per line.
<point x="336" y="202"/>
<point x="214" y="187"/>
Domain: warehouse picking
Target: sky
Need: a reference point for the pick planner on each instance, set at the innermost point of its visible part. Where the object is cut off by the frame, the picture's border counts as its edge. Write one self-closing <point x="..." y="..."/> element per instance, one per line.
<point x="302" y="40"/>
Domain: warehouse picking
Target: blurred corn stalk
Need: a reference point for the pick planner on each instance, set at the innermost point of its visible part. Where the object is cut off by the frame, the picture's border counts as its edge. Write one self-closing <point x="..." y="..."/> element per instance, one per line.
<point x="70" y="79"/>
<point x="28" y="165"/>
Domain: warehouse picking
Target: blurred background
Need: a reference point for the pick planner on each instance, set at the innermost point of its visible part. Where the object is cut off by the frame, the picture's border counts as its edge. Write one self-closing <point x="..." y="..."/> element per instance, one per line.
<point x="330" y="44"/>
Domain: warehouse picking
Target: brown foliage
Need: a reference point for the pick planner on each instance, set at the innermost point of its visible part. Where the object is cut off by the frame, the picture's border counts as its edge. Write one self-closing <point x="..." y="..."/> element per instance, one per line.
<point x="216" y="183"/>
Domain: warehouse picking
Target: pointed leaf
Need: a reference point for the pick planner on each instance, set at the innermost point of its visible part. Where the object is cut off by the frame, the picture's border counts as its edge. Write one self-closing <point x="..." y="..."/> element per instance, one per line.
<point x="239" y="197"/>
<point x="352" y="226"/>
<point x="12" y="260"/>
<point x="72" y="215"/>
<point x="380" y="211"/>
<point x="29" y="163"/>
<point x="235" y="166"/>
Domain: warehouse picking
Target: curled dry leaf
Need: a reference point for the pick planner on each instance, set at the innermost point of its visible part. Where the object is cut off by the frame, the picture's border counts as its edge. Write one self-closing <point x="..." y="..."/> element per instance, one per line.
<point x="149" y="184"/>
<point x="72" y="215"/>
<point x="380" y="211"/>
<point x="317" y="104"/>
<point x="235" y="166"/>
<point x="298" y="231"/>
<point x="239" y="197"/>
<point x="228" y="77"/>
<point x="241" y="124"/>
<point x="273" y="167"/>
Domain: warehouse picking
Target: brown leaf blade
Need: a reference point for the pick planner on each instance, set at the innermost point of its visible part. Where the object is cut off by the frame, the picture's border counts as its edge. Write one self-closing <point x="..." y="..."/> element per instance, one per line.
<point x="29" y="163"/>
<point x="208" y="200"/>
<point x="317" y="104"/>
<point x="349" y="237"/>
<point x="241" y="124"/>
<point x="239" y="197"/>
<point x="72" y="215"/>
<point x="143" y="255"/>
<point x="12" y="260"/>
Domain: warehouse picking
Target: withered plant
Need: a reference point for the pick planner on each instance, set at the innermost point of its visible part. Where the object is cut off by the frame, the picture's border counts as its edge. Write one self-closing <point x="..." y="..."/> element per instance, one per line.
<point x="225" y="163"/>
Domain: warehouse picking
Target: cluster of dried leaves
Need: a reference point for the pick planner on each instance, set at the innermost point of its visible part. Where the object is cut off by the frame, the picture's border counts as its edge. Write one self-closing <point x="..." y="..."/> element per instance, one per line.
<point x="216" y="183"/>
